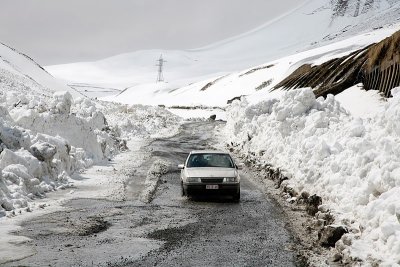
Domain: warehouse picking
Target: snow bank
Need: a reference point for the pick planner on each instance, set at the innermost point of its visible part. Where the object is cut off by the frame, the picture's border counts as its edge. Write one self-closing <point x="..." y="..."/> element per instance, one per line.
<point x="139" y="121"/>
<point x="44" y="140"/>
<point x="42" y="143"/>
<point x="352" y="163"/>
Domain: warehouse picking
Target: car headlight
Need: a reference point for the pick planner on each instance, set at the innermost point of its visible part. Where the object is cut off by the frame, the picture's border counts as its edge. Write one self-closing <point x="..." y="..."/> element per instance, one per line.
<point x="194" y="180"/>
<point x="230" y="180"/>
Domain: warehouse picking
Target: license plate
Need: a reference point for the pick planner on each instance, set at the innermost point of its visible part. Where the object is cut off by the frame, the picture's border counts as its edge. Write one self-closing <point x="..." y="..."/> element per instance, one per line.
<point x="212" y="186"/>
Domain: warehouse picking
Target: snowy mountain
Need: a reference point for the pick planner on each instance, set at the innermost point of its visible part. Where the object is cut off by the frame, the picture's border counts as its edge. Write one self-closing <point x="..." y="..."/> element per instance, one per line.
<point x="313" y="24"/>
<point x="255" y="82"/>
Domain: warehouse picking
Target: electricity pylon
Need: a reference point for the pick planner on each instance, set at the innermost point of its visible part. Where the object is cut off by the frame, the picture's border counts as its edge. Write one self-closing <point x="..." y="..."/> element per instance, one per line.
<point x="160" y="65"/>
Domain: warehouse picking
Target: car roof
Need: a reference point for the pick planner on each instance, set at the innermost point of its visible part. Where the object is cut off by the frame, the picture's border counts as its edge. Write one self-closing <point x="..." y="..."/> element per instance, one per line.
<point x="208" y="152"/>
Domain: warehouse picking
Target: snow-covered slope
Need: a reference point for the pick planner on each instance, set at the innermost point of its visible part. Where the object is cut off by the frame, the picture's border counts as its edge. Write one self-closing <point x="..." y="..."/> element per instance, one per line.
<point x="20" y="72"/>
<point x="305" y="25"/>
<point x="255" y="82"/>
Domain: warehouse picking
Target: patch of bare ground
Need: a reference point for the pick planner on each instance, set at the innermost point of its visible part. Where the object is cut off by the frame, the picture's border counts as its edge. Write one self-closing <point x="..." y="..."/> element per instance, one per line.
<point x="208" y="85"/>
<point x="384" y="53"/>
<point x="264" y="84"/>
<point x="256" y="69"/>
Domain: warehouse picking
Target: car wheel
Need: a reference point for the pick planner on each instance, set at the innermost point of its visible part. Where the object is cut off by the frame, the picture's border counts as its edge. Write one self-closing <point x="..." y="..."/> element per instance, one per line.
<point x="236" y="197"/>
<point x="183" y="192"/>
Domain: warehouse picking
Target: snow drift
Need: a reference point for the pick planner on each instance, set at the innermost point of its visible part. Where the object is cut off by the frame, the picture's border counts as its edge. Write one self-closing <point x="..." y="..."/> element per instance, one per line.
<point x="43" y="143"/>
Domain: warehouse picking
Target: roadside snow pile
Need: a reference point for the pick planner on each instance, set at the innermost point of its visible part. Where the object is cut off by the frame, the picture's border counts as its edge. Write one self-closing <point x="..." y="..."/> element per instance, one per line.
<point x="157" y="169"/>
<point x="352" y="163"/>
<point x="42" y="143"/>
<point x="139" y="121"/>
<point x="44" y="140"/>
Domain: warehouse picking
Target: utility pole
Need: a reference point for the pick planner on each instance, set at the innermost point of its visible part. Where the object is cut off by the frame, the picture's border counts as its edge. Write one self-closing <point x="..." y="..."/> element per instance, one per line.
<point x="160" y="65"/>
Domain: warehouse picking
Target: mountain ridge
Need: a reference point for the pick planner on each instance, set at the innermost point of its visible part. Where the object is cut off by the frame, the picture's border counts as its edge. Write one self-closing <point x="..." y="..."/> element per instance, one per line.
<point x="304" y="27"/>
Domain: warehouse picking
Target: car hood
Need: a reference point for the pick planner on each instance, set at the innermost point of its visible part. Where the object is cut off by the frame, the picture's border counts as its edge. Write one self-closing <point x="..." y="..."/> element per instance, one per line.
<point x="210" y="172"/>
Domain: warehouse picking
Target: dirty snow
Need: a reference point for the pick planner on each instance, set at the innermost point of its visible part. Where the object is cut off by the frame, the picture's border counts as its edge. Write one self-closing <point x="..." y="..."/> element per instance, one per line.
<point x="157" y="169"/>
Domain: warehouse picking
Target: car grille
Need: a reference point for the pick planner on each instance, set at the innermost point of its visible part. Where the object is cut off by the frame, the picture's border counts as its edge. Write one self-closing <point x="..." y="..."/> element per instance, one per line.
<point x="212" y="180"/>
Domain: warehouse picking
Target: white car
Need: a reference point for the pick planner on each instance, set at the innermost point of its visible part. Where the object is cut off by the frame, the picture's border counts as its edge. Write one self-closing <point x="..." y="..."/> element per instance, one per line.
<point x="209" y="171"/>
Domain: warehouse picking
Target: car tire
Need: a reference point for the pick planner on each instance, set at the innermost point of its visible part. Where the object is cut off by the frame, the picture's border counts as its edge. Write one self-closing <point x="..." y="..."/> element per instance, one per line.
<point x="183" y="192"/>
<point x="236" y="197"/>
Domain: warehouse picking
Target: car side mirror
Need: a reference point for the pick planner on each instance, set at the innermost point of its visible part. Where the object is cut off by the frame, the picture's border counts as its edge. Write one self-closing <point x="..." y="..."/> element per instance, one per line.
<point x="239" y="166"/>
<point x="181" y="166"/>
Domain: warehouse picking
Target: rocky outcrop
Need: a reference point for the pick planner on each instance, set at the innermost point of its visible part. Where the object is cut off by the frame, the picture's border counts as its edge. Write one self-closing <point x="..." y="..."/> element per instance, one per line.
<point x="212" y="117"/>
<point x="356" y="8"/>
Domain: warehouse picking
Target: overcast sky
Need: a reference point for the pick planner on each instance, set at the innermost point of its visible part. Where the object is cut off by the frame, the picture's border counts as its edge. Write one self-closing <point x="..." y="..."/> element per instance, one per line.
<point x="62" y="31"/>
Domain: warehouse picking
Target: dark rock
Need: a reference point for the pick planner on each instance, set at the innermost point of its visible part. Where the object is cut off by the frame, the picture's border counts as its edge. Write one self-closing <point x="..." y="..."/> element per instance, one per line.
<point x="213" y="117"/>
<point x="330" y="234"/>
<point x="312" y="204"/>
<point x="289" y="190"/>
<point x="305" y="195"/>
<point x="337" y="257"/>
<point x="303" y="198"/>
<point x="249" y="137"/>
<point x="233" y="99"/>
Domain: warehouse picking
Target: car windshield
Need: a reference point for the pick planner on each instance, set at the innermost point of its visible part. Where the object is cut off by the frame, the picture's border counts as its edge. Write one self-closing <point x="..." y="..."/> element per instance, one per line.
<point x="210" y="160"/>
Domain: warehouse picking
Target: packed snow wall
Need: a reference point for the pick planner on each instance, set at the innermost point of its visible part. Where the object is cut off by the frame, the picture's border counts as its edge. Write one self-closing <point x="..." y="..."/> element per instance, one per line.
<point x="352" y="163"/>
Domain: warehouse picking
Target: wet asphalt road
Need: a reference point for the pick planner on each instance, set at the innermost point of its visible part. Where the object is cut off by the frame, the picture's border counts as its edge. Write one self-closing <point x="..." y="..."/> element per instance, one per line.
<point x="171" y="230"/>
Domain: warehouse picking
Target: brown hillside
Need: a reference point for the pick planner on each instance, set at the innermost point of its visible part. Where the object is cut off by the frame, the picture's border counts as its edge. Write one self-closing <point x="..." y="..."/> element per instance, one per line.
<point x="376" y="66"/>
